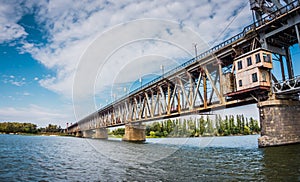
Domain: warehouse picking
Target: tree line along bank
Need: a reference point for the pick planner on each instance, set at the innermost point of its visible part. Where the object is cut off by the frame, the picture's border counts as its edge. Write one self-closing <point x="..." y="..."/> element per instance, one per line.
<point x="203" y="126"/>
<point x="28" y="128"/>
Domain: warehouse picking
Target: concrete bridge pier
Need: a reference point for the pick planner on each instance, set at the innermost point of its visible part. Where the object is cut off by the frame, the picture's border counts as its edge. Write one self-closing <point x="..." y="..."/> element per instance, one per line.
<point x="280" y="122"/>
<point x="134" y="133"/>
<point x="78" y="134"/>
<point x="101" y="133"/>
<point x="87" y="134"/>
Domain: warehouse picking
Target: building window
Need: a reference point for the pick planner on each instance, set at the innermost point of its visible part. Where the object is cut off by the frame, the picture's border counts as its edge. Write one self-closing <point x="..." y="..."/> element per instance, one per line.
<point x="257" y="58"/>
<point x="254" y="77"/>
<point x="240" y="65"/>
<point x="267" y="58"/>
<point x="240" y="83"/>
<point x="264" y="77"/>
<point x="249" y="61"/>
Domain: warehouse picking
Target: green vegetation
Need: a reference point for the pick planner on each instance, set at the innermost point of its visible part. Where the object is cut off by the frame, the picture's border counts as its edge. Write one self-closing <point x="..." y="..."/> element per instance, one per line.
<point x="29" y="128"/>
<point x="51" y="129"/>
<point x="204" y="126"/>
<point x="119" y="132"/>
<point x="15" y="127"/>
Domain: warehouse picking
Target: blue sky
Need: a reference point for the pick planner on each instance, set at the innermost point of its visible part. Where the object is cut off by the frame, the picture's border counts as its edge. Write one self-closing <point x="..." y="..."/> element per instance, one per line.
<point x="43" y="44"/>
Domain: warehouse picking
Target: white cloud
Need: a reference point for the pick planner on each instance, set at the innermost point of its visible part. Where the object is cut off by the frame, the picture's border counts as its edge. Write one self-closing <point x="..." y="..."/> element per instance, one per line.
<point x="26" y="94"/>
<point x="11" y="32"/>
<point x="13" y="80"/>
<point x="71" y="26"/>
<point x="9" y="15"/>
<point x="17" y="83"/>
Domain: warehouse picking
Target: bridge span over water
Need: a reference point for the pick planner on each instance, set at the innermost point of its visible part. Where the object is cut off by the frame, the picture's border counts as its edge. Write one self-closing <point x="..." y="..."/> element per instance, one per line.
<point x="236" y="72"/>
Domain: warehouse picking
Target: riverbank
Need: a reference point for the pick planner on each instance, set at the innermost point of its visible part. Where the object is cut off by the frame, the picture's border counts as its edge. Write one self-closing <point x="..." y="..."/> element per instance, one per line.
<point x="121" y="136"/>
<point x="37" y="134"/>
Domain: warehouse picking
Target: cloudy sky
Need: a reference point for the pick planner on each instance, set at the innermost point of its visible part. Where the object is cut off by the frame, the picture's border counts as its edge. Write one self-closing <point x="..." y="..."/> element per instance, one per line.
<point x="60" y="60"/>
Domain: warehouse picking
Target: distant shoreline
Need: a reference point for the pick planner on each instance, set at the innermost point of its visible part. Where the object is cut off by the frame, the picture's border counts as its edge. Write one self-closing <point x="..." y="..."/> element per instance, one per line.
<point x="36" y="134"/>
<point x="119" y="136"/>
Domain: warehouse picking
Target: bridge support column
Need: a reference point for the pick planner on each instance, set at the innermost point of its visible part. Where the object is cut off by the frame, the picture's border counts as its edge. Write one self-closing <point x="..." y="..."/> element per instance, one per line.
<point x="280" y="123"/>
<point x="101" y="133"/>
<point x="134" y="133"/>
<point x="78" y="134"/>
<point x="87" y="134"/>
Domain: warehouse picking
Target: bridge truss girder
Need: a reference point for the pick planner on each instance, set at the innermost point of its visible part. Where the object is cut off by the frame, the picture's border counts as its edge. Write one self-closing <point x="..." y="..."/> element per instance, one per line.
<point x="189" y="91"/>
<point x="263" y="8"/>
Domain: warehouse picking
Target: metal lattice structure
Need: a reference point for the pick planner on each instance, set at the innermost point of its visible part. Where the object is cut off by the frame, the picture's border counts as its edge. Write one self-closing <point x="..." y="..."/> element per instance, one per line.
<point x="190" y="90"/>
<point x="290" y="86"/>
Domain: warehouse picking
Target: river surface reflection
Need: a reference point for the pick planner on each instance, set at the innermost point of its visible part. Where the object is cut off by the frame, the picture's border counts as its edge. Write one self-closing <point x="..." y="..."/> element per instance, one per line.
<point x="44" y="158"/>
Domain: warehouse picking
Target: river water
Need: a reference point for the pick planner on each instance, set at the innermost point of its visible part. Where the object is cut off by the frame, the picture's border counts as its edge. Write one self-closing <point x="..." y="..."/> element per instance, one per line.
<point x="46" y="158"/>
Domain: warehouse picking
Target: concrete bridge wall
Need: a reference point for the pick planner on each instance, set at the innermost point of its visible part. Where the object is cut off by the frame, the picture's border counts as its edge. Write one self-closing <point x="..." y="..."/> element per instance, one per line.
<point x="135" y="133"/>
<point x="280" y="122"/>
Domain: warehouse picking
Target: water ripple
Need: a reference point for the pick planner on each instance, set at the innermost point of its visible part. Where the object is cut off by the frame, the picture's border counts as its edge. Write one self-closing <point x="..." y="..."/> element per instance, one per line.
<point x="42" y="158"/>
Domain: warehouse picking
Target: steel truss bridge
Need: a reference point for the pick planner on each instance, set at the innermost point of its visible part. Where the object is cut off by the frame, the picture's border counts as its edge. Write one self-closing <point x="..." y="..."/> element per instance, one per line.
<point x="197" y="86"/>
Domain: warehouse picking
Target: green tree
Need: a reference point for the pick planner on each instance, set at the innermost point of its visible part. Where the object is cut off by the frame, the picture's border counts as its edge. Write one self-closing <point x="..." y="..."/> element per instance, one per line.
<point x="243" y="124"/>
<point x="152" y="134"/>
<point x="251" y="125"/>
<point x="202" y="125"/>
<point x="222" y="126"/>
<point x="169" y="127"/>
<point x="256" y="127"/>
<point x="165" y="133"/>
<point x="217" y="121"/>
<point x="191" y="128"/>
<point x="52" y="128"/>
<point x="158" y="134"/>
<point x="184" y="126"/>
<point x="209" y="126"/>
<point x="119" y="131"/>
<point x="238" y="124"/>
<point x="148" y="129"/>
<point x="15" y="127"/>
<point x="231" y="125"/>
<point x="246" y="130"/>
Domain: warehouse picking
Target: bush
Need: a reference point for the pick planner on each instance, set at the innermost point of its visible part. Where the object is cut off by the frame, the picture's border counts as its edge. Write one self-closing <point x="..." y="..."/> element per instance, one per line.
<point x="152" y="134"/>
<point x="158" y="134"/>
<point x="246" y="130"/>
<point x="119" y="131"/>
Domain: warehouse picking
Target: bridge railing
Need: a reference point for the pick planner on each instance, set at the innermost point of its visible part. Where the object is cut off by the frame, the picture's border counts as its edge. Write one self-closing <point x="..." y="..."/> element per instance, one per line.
<point x="272" y="16"/>
<point x="287" y="86"/>
<point x="216" y="48"/>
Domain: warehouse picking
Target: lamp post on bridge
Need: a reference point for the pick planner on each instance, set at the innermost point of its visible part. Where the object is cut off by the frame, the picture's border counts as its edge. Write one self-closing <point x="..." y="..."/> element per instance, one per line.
<point x="162" y="67"/>
<point x="125" y="90"/>
<point x="195" y="46"/>
<point x="141" y="81"/>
